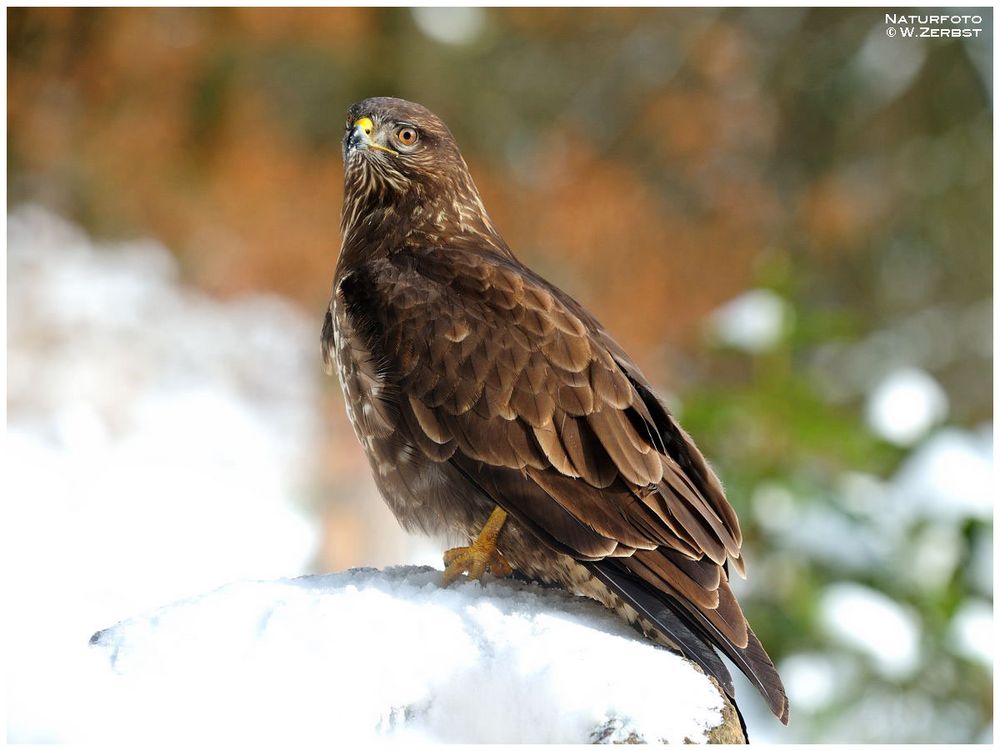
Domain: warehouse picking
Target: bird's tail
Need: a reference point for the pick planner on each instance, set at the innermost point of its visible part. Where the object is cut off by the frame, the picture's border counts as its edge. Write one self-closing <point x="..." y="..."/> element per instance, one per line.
<point x="695" y="635"/>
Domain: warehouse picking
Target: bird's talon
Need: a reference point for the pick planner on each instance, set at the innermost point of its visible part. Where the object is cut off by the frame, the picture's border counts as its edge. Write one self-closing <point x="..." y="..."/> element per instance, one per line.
<point x="481" y="556"/>
<point x="474" y="560"/>
<point x="500" y="568"/>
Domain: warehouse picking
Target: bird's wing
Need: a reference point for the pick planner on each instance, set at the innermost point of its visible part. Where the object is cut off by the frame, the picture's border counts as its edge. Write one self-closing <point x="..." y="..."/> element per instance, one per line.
<point x="515" y="384"/>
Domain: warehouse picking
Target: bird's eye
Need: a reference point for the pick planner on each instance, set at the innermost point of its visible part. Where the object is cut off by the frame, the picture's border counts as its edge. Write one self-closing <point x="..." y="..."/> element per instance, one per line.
<point x="406" y="136"/>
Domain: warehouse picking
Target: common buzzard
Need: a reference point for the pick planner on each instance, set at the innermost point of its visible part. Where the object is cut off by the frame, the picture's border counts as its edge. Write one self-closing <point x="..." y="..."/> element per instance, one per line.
<point x="493" y="407"/>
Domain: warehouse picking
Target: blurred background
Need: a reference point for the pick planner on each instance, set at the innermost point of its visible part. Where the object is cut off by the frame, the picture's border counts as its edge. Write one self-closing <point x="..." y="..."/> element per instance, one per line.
<point x="783" y="214"/>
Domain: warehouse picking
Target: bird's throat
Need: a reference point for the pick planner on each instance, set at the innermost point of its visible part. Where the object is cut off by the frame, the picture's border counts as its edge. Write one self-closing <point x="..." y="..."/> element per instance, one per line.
<point x="382" y="220"/>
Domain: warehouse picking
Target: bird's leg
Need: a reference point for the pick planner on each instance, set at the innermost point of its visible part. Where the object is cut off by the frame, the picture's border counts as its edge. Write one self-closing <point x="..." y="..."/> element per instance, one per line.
<point x="481" y="556"/>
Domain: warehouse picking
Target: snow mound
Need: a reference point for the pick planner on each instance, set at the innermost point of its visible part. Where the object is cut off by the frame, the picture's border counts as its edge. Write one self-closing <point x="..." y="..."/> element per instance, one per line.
<point x="158" y="445"/>
<point x="389" y="655"/>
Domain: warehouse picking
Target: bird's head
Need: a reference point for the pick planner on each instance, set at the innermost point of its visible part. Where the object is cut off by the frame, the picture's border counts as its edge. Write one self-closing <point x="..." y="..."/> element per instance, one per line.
<point x="401" y="163"/>
<point x="401" y="144"/>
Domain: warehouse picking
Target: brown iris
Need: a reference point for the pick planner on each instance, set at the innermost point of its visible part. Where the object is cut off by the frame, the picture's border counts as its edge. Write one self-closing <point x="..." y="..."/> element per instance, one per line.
<point x="406" y="136"/>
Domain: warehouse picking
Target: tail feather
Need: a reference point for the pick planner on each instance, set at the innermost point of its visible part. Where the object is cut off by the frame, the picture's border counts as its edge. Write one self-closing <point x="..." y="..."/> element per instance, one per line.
<point x="754" y="663"/>
<point x="690" y="644"/>
<point x="695" y="635"/>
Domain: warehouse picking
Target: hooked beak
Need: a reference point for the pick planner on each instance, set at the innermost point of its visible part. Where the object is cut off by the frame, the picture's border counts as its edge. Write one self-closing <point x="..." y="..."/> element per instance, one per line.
<point x="360" y="138"/>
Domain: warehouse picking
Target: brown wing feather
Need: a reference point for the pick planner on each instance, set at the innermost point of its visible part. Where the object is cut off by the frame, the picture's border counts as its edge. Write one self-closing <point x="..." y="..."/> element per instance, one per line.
<point x="521" y="390"/>
<point x="584" y="449"/>
<point x="716" y="603"/>
<point x="610" y="518"/>
<point x="434" y="450"/>
<point x="518" y="376"/>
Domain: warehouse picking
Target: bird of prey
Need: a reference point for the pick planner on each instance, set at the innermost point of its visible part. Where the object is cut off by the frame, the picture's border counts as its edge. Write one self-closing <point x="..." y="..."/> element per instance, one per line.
<point x="494" y="408"/>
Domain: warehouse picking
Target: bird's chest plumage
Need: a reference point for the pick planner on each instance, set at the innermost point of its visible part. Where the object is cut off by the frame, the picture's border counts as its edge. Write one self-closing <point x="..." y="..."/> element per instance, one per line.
<point x="424" y="495"/>
<point x="349" y="360"/>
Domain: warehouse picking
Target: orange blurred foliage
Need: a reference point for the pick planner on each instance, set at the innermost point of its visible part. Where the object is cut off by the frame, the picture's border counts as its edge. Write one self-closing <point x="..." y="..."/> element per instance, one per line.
<point x="106" y="122"/>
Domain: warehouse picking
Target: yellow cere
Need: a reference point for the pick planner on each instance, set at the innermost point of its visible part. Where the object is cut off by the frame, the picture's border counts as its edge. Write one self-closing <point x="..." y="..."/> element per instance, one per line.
<point x="368" y="127"/>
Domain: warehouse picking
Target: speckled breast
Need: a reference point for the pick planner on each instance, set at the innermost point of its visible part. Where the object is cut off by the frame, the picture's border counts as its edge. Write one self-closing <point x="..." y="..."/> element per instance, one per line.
<point x="416" y="489"/>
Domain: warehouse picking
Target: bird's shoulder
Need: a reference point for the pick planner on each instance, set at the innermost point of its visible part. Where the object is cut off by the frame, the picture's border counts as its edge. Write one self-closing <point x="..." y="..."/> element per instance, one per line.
<point x="489" y="358"/>
<point x="460" y="314"/>
<point x="427" y="284"/>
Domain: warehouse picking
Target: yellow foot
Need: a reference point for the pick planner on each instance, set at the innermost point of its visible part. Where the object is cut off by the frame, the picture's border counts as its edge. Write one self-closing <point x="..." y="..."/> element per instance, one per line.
<point x="479" y="557"/>
<point x="475" y="561"/>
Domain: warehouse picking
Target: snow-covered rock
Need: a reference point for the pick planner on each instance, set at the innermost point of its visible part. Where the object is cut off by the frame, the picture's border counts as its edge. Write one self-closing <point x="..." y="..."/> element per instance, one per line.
<point x="392" y="656"/>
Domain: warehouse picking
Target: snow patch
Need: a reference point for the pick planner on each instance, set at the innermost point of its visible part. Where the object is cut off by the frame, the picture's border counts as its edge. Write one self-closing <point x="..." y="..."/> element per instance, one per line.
<point x="755" y="321"/>
<point x="883" y="629"/>
<point x="949" y="477"/>
<point x="369" y="655"/>
<point x="905" y="405"/>
<point x="814" y="680"/>
<point x="972" y="633"/>
<point x="156" y="444"/>
<point x="458" y="26"/>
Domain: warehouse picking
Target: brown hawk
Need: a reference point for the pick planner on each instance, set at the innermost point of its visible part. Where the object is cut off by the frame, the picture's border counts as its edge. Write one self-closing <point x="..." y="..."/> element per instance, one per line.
<point x="493" y="407"/>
